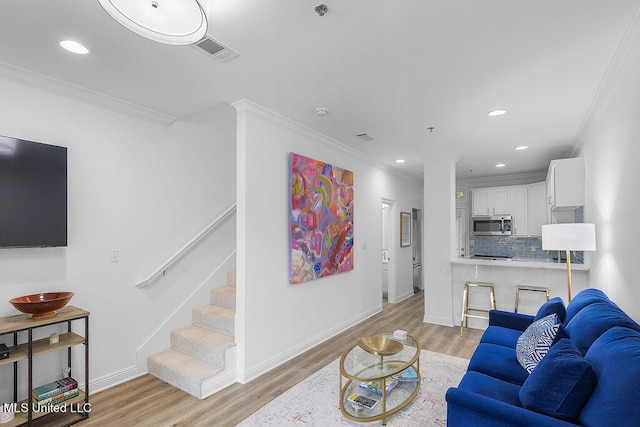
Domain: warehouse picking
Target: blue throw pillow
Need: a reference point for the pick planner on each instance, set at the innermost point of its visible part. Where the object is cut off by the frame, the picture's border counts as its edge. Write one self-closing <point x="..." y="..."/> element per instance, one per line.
<point x="561" y="384"/>
<point x="554" y="305"/>
<point x="536" y="340"/>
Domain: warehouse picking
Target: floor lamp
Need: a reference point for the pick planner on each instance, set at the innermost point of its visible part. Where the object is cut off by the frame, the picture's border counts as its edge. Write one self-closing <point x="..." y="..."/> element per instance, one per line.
<point x="569" y="237"/>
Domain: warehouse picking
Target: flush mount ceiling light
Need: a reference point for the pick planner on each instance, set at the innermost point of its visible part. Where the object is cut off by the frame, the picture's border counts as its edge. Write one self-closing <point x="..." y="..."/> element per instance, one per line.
<point x="74" y="47"/>
<point x="175" y="22"/>
<point x="495" y="113"/>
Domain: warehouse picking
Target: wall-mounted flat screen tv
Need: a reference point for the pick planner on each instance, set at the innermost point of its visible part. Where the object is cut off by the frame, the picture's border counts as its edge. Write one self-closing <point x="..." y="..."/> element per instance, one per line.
<point x="33" y="194"/>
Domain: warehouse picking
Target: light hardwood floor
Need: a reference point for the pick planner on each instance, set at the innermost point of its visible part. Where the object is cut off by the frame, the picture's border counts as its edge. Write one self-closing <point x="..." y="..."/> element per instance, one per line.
<point x="148" y="401"/>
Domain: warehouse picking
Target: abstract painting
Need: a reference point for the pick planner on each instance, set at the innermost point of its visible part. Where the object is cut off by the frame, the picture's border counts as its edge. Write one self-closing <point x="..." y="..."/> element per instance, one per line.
<point x="320" y="219"/>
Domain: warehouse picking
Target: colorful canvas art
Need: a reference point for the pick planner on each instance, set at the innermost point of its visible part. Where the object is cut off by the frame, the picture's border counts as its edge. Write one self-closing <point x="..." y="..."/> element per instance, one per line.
<point x="320" y="220"/>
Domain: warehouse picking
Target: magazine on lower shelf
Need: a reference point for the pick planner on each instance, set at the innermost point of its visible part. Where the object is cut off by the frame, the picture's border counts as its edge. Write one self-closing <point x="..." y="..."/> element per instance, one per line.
<point x="375" y="386"/>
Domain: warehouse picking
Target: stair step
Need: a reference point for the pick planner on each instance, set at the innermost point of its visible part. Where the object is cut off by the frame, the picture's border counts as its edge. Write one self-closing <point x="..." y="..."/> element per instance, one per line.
<point x="231" y="278"/>
<point x="181" y="370"/>
<point x="224" y="297"/>
<point x="201" y="343"/>
<point x="215" y="319"/>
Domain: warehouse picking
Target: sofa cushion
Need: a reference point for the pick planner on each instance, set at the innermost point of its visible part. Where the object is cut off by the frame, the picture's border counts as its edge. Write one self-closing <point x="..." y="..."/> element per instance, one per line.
<point x="595" y="319"/>
<point x="615" y="400"/>
<point x="491" y="387"/>
<point x="583" y="299"/>
<point x="536" y="340"/>
<point x="561" y="383"/>
<point x="498" y="361"/>
<point x="501" y="336"/>
<point x="554" y="305"/>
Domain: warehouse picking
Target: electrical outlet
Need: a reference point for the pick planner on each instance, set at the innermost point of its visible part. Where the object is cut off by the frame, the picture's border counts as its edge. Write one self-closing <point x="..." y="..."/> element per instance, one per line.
<point x="533" y="248"/>
<point x="114" y="255"/>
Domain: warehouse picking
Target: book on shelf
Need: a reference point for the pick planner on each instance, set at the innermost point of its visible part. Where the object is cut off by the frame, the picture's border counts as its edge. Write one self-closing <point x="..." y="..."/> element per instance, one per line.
<point x="375" y="386"/>
<point x="408" y="375"/>
<point x="54" y="388"/>
<point x="69" y="394"/>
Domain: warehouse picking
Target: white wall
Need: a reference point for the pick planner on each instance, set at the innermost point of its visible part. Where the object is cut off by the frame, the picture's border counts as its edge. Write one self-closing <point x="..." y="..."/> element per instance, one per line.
<point x="438" y="228"/>
<point x="276" y="320"/>
<point x="133" y="186"/>
<point x="612" y="155"/>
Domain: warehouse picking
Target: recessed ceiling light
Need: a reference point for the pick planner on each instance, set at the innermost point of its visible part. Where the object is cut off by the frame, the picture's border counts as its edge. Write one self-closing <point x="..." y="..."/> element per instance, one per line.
<point x="497" y="113"/>
<point x="321" y="111"/>
<point x="521" y="147"/>
<point x="500" y="165"/>
<point x="74" y="47"/>
<point x="400" y="161"/>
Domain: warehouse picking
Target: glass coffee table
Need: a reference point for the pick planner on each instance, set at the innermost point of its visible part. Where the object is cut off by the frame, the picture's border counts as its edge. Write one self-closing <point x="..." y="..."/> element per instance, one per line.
<point x="379" y="376"/>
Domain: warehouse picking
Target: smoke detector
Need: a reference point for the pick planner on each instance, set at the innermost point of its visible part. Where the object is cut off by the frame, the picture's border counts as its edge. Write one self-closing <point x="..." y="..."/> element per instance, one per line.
<point x="321" y="111"/>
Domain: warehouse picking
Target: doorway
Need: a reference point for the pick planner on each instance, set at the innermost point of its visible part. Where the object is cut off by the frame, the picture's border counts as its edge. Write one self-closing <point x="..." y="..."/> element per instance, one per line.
<point x="387" y="245"/>
<point x="462" y="227"/>
<point x="416" y="248"/>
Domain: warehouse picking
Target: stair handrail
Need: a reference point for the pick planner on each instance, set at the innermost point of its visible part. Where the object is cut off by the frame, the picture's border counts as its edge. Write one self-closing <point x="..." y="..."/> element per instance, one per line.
<point x="164" y="267"/>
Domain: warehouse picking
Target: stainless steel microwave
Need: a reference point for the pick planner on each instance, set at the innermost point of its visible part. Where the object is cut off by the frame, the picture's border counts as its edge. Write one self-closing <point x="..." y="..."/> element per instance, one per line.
<point x="492" y="225"/>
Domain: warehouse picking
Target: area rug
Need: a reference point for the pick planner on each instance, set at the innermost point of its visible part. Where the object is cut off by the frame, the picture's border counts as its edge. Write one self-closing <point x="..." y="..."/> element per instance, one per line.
<point x="314" y="401"/>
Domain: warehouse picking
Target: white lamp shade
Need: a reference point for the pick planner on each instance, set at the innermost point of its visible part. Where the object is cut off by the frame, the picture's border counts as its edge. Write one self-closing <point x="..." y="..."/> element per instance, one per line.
<point x="176" y="22"/>
<point x="569" y="237"/>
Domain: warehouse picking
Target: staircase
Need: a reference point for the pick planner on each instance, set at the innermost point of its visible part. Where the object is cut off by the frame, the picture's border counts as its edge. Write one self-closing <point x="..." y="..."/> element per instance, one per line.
<point x="200" y="354"/>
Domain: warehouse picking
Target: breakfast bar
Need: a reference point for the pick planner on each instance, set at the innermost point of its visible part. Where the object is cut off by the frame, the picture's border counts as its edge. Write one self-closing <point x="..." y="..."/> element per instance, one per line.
<point x="505" y="274"/>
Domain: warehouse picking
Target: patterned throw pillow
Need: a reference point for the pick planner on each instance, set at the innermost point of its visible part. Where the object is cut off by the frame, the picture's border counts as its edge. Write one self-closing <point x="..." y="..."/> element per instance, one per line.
<point x="536" y="340"/>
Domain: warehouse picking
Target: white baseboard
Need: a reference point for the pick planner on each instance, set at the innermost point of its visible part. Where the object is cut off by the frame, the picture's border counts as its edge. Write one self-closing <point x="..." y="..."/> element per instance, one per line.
<point x="113" y="379"/>
<point x="444" y="321"/>
<point x="285" y="356"/>
<point x="404" y="296"/>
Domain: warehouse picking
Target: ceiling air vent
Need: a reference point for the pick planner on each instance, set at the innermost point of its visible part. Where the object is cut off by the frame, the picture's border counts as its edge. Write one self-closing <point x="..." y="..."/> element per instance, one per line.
<point x="216" y="49"/>
<point x="365" y="137"/>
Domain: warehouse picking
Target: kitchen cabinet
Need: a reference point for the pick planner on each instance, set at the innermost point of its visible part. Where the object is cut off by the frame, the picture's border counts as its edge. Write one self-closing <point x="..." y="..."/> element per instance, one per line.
<point x="537" y="208"/>
<point x="527" y="205"/>
<point x="519" y="211"/>
<point x="565" y="184"/>
<point x="491" y="201"/>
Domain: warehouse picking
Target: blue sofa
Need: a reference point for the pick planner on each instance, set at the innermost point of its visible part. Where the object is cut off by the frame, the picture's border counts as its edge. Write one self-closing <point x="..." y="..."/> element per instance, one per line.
<point x="590" y="375"/>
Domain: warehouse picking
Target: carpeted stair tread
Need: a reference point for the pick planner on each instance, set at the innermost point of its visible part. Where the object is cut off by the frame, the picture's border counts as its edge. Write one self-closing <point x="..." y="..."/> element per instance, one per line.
<point x="215" y="318"/>
<point x="224" y="297"/>
<point x="231" y="278"/>
<point x="201" y="343"/>
<point x="181" y="370"/>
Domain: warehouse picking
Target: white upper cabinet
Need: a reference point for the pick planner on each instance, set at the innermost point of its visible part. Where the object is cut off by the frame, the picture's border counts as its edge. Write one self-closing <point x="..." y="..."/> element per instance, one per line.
<point x="491" y="201"/>
<point x="565" y="184"/>
<point x="519" y="211"/>
<point x="527" y="205"/>
<point x="537" y="210"/>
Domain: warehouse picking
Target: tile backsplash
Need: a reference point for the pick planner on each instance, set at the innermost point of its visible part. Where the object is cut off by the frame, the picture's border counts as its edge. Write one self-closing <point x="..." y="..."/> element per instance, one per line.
<point x="516" y="247"/>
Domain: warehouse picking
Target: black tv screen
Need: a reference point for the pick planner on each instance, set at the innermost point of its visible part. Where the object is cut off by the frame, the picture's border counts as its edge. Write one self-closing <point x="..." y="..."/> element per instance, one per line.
<point x="33" y="194"/>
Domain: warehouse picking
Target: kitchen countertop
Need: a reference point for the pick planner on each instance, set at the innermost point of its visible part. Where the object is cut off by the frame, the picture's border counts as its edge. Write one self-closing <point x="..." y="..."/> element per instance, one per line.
<point x="521" y="262"/>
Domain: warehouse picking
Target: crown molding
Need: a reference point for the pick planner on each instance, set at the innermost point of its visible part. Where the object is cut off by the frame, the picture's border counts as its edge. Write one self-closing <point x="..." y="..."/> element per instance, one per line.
<point x="623" y="58"/>
<point x="245" y="106"/>
<point x="31" y="79"/>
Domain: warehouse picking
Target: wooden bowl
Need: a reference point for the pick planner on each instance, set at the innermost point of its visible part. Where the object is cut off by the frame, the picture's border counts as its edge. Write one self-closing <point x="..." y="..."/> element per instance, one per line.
<point x="380" y="346"/>
<point x="42" y="305"/>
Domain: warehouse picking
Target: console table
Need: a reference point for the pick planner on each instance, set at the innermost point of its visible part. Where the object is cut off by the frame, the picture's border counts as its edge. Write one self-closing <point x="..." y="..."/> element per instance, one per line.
<point x="28" y="348"/>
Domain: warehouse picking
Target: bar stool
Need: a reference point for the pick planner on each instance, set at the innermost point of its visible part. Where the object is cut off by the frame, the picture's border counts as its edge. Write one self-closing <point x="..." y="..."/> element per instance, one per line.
<point x="465" y="302"/>
<point x="529" y="288"/>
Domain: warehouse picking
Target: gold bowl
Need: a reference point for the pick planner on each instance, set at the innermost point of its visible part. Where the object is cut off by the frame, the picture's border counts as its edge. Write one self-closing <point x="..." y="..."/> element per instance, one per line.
<point x="380" y="345"/>
<point x="42" y="305"/>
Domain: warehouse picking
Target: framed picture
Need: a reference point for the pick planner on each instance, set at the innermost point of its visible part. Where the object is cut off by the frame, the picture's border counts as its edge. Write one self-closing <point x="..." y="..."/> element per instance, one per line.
<point x="405" y="229"/>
